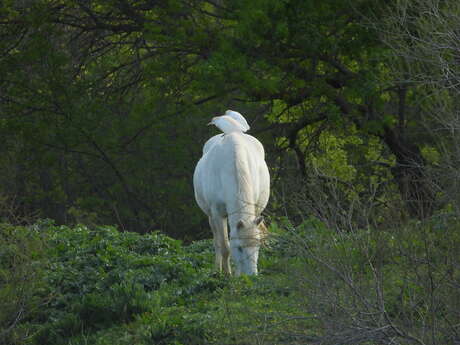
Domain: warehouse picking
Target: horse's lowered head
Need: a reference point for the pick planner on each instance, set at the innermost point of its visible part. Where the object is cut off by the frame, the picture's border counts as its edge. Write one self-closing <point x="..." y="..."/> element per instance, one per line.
<point x="245" y="240"/>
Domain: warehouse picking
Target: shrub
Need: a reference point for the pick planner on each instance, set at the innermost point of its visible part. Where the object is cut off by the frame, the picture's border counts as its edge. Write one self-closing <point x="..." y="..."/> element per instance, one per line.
<point x="22" y="283"/>
<point x="74" y="285"/>
<point x="394" y="286"/>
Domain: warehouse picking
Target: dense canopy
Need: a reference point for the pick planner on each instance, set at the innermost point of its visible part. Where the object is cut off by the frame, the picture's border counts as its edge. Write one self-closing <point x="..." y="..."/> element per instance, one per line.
<point x="103" y="104"/>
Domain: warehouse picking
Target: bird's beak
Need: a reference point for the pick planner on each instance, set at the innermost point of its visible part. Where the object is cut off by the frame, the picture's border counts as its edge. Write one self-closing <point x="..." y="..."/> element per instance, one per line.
<point x="210" y="123"/>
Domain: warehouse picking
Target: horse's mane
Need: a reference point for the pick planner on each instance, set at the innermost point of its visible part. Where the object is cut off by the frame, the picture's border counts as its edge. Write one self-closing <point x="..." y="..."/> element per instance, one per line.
<point x="245" y="191"/>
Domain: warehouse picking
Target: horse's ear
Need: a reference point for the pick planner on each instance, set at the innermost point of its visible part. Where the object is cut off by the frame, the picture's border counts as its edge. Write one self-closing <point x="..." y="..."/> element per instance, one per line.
<point x="240" y="225"/>
<point x="258" y="220"/>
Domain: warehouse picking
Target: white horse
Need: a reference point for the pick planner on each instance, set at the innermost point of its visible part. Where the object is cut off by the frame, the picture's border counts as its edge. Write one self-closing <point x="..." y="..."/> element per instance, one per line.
<point x="232" y="183"/>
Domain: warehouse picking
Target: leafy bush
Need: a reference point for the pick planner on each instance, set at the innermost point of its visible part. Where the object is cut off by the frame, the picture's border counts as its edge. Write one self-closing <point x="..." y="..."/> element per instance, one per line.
<point x="68" y="285"/>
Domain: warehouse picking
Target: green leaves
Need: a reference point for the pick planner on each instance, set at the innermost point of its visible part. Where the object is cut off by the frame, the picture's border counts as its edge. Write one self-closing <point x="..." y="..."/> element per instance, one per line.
<point x="103" y="104"/>
<point x="99" y="285"/>
<point x="97" y="279"/>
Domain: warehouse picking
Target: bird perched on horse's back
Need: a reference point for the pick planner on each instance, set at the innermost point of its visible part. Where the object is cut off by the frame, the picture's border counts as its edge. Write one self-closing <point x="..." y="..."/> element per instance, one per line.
<point x="227" y="124"/>
<point x="238" y="117"/>
<point x="231" y="121"/>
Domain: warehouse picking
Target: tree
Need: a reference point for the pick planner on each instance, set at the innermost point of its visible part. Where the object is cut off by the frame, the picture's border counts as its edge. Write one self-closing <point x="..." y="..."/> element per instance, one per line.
<point x="86" y="129"/>
<point x="111" y="96"/>
<point x="424" y="40"/>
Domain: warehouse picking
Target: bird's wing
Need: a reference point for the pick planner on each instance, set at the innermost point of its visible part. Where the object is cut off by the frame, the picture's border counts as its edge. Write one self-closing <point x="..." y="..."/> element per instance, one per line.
<point x="238" y="117"/>
<point x="228" y="124"/>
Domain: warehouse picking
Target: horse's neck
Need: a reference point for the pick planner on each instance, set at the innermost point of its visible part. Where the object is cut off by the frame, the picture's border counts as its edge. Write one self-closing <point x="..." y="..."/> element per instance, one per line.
<point x="243" y="211"/>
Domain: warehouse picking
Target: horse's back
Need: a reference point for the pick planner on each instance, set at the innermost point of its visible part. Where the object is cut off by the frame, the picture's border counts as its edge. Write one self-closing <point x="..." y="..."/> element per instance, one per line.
<point x="220" y="172"/>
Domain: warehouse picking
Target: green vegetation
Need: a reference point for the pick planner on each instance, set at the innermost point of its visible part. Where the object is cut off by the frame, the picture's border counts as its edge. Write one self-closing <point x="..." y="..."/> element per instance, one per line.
<point x="104" y="104"/>
<point x="102" y="286"/>
<point x="78" y="285"/>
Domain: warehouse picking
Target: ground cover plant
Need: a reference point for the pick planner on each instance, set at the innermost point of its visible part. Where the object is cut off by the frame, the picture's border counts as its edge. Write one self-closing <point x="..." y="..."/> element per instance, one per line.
<point x="103" y="286"/>
<point x="97" y="279"/>
<point x="80" y="285"/>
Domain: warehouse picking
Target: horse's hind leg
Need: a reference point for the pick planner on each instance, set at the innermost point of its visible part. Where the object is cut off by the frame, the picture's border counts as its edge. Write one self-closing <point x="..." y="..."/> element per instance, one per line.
<point x="217" y="250"/>
<point x="221" y="244"/>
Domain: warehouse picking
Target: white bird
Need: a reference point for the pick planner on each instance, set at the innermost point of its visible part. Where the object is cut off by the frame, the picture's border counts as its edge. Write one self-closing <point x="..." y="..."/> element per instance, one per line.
<point x="238" y="117"/>
<point x="231" y="121"/>
<point x="227" y="124"/>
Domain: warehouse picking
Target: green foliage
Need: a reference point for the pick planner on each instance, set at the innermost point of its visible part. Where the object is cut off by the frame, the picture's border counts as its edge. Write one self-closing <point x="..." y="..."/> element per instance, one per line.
<point x="103" y="276"/>
<point x="86" y="281"/>
<point x="396" y="279"/>
<point x="110" y="100"/>
<point x="109" y="287"/>
<point x="23" y="266"/>
<point x="101" y="286"/>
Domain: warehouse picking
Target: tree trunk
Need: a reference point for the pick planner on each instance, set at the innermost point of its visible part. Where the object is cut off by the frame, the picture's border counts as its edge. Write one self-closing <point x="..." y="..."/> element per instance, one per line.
<point x="410" y="174"/>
